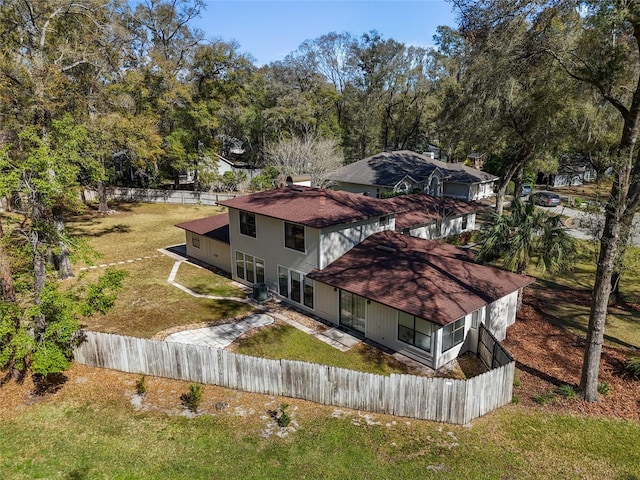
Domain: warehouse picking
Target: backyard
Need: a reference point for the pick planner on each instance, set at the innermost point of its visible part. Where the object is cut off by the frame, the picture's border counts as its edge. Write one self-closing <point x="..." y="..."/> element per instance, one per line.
<point x="95" y="426"/>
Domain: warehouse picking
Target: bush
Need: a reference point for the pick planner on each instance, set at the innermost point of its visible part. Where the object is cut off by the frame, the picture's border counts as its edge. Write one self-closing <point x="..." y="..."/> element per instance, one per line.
<point x="632" y="366"/>
<point x="604" y="389"/>
<point x="281" y="416"/>
<point x="567" y="391"/>
<point x="141" y="385"/>
<point x="544" y="398"/>
<point x="192" y="398"/>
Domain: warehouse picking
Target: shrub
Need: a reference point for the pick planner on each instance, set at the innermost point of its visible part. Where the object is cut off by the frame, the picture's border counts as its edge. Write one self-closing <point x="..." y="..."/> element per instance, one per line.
<point x="567" y="391"/>
<point x="141" y="385"/>
<point x="192" y="398"/>
<point x="281" y="416"/>
<point x="515" y="399"/>
<point x="604" y="389"/>
<point x="632" y="366"/>
<point x="544" y="398"/>
<point x="516" y="379"/>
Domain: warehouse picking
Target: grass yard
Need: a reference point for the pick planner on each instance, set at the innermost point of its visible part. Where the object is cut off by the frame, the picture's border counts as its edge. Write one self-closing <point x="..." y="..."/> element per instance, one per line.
<point x="148" y="304"/>
<point x="285" y="341"/>
<point x="205" y="282"/>
<point x="91" y="430"/>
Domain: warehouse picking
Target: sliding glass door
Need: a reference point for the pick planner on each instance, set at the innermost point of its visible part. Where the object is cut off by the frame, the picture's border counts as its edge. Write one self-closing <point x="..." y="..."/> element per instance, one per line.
<point x="353" y="311"/>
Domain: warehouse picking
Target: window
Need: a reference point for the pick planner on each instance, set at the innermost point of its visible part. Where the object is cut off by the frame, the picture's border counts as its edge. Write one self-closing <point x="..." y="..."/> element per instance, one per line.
<point x="295" y="286"/>
<point x="294" y="236"/>
<point x="465" y="222"/>
<point x="249" y="268"/>
<point x="415" y="331"/>
<point x="308" y="292"/>
<point x="452" y="335"/>
<point x="384" y="221"/>
<point x="248" y="224"/>
<point x="352" y="311"/>
<point x="195" y="240"/>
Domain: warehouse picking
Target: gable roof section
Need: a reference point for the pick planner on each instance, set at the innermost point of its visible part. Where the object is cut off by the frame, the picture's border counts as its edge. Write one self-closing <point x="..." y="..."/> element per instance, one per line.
<point x="313" y="207"/>
<point x="418" y="209"/>
<point x="216" y="227"/>
<point x="386" y="169"/>
<point x="434" y="281"/>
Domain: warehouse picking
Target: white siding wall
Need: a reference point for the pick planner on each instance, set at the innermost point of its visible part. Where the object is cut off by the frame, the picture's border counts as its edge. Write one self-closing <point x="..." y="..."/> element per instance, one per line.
<point x="211" y="251"/>
<point x="450" y="226"/>
<point x="269" y="246"/>
<point x="326" y="302"/>
<point x="501" y="314"/>
<point x="338" y="240"/>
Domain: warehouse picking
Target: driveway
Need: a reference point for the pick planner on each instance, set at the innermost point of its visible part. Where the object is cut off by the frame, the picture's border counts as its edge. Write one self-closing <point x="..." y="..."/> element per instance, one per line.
<point x="586" y="223"/>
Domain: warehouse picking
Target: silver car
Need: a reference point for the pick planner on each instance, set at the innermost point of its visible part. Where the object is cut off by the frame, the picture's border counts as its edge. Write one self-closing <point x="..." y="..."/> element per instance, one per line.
<point x="546" y="199"/>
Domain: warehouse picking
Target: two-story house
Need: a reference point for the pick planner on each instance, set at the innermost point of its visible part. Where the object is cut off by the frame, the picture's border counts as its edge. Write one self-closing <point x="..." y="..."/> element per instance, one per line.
<point x="337" y="255"/>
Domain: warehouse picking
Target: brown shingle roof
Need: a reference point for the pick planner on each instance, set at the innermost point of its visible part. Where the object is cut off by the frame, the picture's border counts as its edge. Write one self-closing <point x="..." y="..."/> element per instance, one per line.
<point x="313" y="207"/>
<point x="428" y="279"/>
<point x="418" y="209"/>
<point x="216" y="227"/>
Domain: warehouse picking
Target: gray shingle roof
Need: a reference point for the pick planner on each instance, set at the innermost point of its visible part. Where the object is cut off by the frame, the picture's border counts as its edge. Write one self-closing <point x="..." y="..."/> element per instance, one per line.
<point x="386" y="169"/>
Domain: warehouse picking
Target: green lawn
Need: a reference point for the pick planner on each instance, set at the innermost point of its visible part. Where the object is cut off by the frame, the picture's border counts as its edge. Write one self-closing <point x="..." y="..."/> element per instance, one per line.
<point x="101" y="438"/>
<point x="284" y="341"/>
<point x="205" y="282"/>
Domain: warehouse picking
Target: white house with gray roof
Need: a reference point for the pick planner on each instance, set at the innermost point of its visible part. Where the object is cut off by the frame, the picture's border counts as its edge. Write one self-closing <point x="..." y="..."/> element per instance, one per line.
<point x="405" y="171"/>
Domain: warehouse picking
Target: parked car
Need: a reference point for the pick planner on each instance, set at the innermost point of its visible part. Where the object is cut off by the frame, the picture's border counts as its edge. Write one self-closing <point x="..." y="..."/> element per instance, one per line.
<point x="525" y="190"/>
<point x="546" y="199"/>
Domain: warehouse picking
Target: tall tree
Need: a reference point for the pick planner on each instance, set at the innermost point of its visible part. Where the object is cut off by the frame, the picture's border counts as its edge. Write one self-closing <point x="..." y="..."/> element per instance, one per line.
<point x="597" y="43"/>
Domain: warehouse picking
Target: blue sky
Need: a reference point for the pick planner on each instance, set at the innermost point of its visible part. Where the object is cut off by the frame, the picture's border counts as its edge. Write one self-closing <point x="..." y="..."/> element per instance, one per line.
<point x="270" y="29"/>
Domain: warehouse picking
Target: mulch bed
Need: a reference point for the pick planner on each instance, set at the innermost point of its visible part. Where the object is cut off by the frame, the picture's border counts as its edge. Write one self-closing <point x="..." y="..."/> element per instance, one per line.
<point x="548" y="357"/>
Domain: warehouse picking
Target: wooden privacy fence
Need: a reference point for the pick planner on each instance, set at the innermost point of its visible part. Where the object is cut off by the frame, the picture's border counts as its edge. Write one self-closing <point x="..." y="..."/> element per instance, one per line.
<point x="149" y="195"/>
<point x="439" y="399"/>
<point x="490" y="351"/>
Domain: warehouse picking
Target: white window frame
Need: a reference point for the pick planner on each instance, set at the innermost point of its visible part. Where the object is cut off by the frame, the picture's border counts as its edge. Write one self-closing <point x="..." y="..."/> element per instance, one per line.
<point x="457" y="326"/>
<point x="254" y="263"/>
<point x="304" y="282"/>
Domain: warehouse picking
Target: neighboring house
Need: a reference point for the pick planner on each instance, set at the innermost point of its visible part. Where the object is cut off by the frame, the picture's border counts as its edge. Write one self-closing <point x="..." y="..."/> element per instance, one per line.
<point x="570" y="172"/>
<point x="409" y="172"/>
<point x="337" y="255"/>
<point x="223" y="165"/>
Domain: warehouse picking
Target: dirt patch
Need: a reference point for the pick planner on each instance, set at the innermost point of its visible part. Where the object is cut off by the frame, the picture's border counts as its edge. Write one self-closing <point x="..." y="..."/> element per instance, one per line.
<point x="548" y="357"/>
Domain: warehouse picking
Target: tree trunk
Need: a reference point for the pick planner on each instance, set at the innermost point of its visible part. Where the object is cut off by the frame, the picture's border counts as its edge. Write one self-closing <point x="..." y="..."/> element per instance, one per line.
<point x="61" y="260"/>
<point x="7" y="289"/>
<point x="103" y="204"/>
<point x="503" y="183"/>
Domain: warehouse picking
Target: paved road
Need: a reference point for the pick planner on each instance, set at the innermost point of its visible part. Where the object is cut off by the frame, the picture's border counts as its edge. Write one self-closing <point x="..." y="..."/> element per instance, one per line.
<point x="586" y="223"/>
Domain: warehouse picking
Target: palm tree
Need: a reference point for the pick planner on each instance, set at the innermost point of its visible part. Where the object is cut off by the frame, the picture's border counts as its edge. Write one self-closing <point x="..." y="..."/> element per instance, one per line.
<point x="527" y="232"/>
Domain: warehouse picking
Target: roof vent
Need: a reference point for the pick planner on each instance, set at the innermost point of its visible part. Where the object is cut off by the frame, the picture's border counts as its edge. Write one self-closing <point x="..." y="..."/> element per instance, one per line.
<point x="385" y="248"/>
<point x="297" y="189"/>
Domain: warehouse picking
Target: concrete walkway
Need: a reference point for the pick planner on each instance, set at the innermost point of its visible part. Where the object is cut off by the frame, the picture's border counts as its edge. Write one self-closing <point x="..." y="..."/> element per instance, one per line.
<point x="221" y="336"/>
